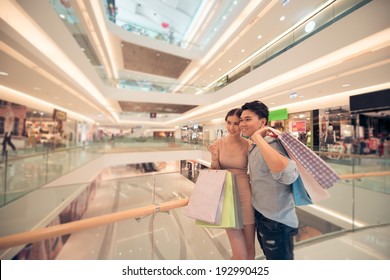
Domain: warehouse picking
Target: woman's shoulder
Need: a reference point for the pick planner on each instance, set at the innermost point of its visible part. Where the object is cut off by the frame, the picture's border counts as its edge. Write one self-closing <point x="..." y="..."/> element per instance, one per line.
<point x="246" y="142"/>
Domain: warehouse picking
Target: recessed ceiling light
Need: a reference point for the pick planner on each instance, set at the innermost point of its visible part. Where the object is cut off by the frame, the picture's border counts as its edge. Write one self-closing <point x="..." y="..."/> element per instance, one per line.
<point x="230" y="61"/>
<point x="219" y="69"/>
<point x="37" y="88"/>
<point x="293" y="95"/>
<point x="259" y="37"/>
<point x="282" y="18"/>
<point x="3" y="74"/>
<point x="310" y="26"/>
<point x="346" y="85"/>
<point x="242" y="50"/>
<point x="62" y="16"/>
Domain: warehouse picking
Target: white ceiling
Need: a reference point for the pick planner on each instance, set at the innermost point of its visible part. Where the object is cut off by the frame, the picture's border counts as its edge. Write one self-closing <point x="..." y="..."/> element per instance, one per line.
<point x="44" y="61"/>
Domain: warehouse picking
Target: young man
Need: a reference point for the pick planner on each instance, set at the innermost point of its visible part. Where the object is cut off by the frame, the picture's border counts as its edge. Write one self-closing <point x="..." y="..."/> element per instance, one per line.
<point x="271" y="174"/>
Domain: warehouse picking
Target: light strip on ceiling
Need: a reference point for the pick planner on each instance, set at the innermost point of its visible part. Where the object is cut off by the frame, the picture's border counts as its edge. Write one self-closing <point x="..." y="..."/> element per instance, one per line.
<point x="331" y="59"/>
<point x="329" y="79"/>
<point x="329" y="100"/>
<point x="248" y="59"/>
<point x="202" y="13"/>
<point x="99" y="16"/>
<point x="25" y="61"/>
<point x="18" y="19"/>
<point x="222" y="41"/>
<point x="45" y="106"/>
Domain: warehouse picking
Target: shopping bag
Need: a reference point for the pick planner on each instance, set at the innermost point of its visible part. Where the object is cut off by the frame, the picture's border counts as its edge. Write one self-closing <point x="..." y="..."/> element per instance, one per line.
<point x="300" y="194"/>
<point x="316" y="192"/>
<point x="231" y="210"/>
<point x="298" y="188"/>
<point x="207" y="197"/>
<point x="316" y="166"/>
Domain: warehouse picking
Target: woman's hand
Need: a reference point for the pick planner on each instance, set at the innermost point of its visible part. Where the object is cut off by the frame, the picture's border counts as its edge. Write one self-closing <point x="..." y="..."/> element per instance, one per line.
<point x="213" y="150"/>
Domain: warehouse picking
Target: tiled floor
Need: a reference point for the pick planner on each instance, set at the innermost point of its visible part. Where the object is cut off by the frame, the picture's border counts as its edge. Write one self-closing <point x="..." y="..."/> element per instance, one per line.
<point x="365" y="244"/>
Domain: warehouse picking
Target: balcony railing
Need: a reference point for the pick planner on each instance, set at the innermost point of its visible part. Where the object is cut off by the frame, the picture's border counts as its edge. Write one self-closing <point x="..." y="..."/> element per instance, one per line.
<point x="143" y="217"/>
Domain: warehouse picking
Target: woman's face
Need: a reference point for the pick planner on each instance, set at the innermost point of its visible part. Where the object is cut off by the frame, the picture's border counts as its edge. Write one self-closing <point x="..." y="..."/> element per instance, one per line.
<point x="250" y="123"/>
<point x="233" y="125"/>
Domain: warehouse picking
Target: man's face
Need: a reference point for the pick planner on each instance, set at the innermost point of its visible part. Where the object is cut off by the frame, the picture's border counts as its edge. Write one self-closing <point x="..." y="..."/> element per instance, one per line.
<point x="250" y="123"/>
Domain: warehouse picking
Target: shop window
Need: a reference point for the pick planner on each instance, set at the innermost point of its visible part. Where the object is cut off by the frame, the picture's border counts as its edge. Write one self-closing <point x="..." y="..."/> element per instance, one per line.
<point x="2" y="120"/>
<point x="15" y="129"/>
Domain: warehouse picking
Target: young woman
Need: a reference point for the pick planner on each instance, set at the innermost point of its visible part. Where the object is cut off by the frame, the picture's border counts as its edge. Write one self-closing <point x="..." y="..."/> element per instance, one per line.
<point x="231" y="153"/>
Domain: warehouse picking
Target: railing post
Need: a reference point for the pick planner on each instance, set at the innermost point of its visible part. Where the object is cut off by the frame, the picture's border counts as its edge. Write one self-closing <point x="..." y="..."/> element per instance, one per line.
<point x="353" y="195"/>
<point x="5" y="155"/>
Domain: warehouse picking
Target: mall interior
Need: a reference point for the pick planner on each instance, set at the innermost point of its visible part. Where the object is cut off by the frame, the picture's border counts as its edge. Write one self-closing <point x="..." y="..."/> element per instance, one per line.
<point x="106" y="108"/>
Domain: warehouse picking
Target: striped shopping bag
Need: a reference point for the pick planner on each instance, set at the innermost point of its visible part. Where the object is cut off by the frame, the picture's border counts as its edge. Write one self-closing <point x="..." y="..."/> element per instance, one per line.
<point x="316" y="166"/>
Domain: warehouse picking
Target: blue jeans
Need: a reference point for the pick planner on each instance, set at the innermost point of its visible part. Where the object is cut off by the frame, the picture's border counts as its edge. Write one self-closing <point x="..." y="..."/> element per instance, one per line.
<point x="276" y="239"/>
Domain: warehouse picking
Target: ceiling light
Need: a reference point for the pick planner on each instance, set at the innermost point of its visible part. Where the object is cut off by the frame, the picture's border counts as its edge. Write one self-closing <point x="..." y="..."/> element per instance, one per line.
<point x="62" y="16"/>
<point x="259" y="37"/>
<point x="310" y="26"/>
<point x="3" y="74"/>
<point x="230" y="61"/>
<point x="37" y="88"/>
<point x="285" y="2"/>
<point x="293" y="95"/>
<point x="346" y="85"/>
<point x="282" y="18"/>
<point x="242" y="50"/>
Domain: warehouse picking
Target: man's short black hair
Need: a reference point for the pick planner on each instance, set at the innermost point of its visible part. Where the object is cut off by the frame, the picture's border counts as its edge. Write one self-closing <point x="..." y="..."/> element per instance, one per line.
<point x="257" y="107"/>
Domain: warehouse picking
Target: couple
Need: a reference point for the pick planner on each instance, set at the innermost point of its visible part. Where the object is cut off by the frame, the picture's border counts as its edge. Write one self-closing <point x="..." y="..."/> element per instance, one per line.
<point x="265" y="194"/>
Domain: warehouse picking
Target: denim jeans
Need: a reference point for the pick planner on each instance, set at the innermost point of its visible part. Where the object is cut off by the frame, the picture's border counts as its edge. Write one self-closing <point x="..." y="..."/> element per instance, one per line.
<point x="275" y="239"/>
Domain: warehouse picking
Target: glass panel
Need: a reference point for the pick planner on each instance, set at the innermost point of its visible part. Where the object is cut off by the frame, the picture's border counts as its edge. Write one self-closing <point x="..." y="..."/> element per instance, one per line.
<point x="169" y="234"/>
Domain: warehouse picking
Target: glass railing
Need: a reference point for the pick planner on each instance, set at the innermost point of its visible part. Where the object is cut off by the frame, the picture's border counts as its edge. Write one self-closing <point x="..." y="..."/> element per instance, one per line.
<point x="33" y="169"/>
<point x="142" y="216"/>
<point x="30" y="170"/>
